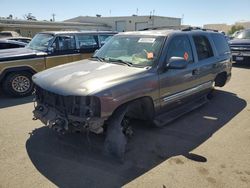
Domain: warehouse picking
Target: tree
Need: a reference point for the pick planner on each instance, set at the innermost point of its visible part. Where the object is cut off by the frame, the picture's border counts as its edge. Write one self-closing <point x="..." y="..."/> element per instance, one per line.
<point x="30" y="17"/>
<point x="10" y="17"/>
<point x="235" y="28"/>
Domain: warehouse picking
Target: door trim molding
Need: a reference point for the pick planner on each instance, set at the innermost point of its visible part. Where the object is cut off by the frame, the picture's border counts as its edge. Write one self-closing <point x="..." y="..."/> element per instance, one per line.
<point x="188" y="92"/>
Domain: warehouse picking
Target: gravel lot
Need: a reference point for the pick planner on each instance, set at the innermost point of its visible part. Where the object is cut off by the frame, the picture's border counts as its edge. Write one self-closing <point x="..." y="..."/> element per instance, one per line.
<point x="209" y="147"/>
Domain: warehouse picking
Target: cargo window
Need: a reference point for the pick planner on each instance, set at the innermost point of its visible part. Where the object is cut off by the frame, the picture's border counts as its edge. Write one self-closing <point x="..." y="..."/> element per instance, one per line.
<point x="203" y="47"/>
<point x="180" y="47"/>
<point x="87" y="41"/>
<point x="221" y="44"/>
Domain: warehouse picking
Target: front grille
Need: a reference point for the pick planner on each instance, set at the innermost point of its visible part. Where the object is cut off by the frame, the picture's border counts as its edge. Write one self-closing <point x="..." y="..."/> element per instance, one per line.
<point x="239" y="48"/>
<point x="81" y="106"/>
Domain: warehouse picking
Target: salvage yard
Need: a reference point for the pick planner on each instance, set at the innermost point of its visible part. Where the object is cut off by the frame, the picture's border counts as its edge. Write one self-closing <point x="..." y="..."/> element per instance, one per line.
<point x="209" y="147"/>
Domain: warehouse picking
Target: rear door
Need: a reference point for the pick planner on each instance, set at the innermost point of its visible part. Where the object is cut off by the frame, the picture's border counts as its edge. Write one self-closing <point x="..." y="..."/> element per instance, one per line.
<point x="206" y="60"/>
<point x="87" y="44"/>
<point x="64" y="48"/>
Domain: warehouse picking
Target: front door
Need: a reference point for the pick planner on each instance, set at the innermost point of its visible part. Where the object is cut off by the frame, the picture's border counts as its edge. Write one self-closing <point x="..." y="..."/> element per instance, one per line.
<point x="175" y="84"/>
<point x="64" y="48"/>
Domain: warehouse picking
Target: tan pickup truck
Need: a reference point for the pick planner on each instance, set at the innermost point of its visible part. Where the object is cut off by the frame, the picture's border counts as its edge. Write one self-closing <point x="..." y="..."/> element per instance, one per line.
<point x="46" y="50"/>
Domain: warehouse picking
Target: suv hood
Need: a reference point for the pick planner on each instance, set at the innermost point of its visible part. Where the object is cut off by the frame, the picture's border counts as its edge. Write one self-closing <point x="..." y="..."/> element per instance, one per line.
<point x="84" y="77"/>
<point x="19" y="53"/>
<point x="239" y="41"/>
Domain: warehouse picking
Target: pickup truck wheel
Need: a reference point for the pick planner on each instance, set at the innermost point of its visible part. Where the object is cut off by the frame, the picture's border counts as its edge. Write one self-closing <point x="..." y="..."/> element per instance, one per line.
<point x="18" y="84"/>
<point x="115" y="142"/>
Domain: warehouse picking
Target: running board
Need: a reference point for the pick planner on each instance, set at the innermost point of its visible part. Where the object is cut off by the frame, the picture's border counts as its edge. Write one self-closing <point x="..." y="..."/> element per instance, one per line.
<point x="170" y="116"/>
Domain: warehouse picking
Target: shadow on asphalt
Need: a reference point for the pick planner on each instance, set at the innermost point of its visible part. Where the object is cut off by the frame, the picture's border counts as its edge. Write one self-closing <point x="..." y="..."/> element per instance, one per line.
<point x="77" y="161"/>
<point x="6" y="101"/>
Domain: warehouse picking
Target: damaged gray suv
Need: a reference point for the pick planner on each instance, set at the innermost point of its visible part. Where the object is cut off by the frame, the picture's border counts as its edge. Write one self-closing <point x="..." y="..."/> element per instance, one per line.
<point x="155" y="76"/>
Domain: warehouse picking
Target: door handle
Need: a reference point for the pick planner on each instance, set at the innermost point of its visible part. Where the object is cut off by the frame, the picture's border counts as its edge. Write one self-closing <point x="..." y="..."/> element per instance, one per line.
<point x="195" y="71"/>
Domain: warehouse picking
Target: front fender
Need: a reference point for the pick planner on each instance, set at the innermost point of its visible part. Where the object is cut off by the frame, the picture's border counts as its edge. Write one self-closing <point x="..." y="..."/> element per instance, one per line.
<point x="114" y="97"/>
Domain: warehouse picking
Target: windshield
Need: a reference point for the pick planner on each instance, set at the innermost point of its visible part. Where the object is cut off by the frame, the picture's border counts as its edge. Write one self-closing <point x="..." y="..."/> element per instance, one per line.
<point x="243" y="35"/>
<point x="40" y="42"/>
<point x="139" y="51"/>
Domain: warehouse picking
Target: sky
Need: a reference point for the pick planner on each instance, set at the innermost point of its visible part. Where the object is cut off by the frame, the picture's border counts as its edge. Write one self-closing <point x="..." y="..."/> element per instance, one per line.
<point x="194" y="12"/>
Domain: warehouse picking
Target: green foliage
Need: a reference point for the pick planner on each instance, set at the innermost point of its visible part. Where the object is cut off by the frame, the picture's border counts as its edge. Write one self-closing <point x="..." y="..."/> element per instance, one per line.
<point x="235" y="28"/>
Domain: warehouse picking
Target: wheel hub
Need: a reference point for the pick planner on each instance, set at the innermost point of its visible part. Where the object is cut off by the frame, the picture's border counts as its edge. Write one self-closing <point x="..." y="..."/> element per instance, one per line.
<point x="21" y="84"/>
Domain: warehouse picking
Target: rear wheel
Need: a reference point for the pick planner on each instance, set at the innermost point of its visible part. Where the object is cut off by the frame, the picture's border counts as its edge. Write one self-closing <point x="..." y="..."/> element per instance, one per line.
<point x="18" y="84"/>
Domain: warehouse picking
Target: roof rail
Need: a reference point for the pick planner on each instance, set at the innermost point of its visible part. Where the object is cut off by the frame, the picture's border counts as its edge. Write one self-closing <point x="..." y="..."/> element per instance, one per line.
<point x="161" y="27"/>
<point x="198" y="28"/>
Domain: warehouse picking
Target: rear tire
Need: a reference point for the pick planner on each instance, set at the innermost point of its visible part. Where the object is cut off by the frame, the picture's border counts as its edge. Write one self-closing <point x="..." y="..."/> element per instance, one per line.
<point x="18" y="84"/>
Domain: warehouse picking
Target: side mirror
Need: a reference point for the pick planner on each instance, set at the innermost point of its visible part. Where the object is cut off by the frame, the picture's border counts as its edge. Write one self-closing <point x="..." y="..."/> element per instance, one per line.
<point x="177" y="63"/>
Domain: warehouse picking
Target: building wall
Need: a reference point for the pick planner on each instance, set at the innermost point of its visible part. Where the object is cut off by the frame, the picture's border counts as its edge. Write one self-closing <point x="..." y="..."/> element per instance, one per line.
<point x="225" y="27"/>
<point x="131" y="23"/>
<point x="30" y="28"/>
<point x="246" y="25"/>
<point x="219" y="27"/>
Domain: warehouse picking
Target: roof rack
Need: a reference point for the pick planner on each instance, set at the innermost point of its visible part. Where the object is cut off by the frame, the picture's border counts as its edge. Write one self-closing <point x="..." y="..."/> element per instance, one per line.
<point x="198" y="28"/>
<point x="161" y="27"/>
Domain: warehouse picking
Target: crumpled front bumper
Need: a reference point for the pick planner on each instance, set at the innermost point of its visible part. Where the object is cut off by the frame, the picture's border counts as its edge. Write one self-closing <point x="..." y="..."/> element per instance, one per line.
<point x="55" y="120"/>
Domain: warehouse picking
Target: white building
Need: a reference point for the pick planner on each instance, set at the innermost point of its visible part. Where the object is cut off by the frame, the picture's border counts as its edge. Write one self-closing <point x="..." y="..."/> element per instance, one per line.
<point x="29" y="28"/>
<point x="130" y="23"/>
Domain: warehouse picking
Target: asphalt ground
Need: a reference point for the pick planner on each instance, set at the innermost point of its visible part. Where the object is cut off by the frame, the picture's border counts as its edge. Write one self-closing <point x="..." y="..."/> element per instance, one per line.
<point x="209" y="147"/>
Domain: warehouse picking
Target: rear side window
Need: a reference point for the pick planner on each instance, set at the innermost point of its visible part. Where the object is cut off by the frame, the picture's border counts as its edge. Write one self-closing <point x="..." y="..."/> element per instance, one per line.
<point x="220" y="44"/>
<point x="64" y="43"/>
<point x="180" y="47"/>
<point x="104" y="39"/>
<point x="87" y="41"/>
<point x="203" y="47"/>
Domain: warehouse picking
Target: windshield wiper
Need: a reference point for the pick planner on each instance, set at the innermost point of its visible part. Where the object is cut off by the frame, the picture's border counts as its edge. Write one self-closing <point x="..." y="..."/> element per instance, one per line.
<point x="97" y="58"/>
<point x="119" y="61"/>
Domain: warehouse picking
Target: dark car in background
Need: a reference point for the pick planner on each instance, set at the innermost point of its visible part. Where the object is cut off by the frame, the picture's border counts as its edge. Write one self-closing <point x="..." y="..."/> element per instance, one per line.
<point x="14" y="42"/>
<point x="240" y="47"/>
<point x="6" y="44"/>
<point x="19" y="39"/>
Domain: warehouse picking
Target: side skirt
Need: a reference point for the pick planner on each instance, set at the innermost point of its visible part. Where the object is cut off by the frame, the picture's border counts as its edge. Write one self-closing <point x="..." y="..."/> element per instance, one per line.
<point x="165" y="118"/>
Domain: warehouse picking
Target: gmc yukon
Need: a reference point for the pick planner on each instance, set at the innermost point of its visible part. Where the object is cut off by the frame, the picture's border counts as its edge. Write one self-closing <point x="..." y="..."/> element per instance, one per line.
<point x="155" y="76"/>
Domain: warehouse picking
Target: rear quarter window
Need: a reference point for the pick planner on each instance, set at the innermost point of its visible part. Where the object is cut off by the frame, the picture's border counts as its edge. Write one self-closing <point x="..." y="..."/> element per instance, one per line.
<point x="221" y="44"/>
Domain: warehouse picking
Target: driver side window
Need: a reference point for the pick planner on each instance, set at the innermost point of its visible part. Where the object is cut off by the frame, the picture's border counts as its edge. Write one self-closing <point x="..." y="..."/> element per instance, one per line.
<point x="180" y="47"/>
